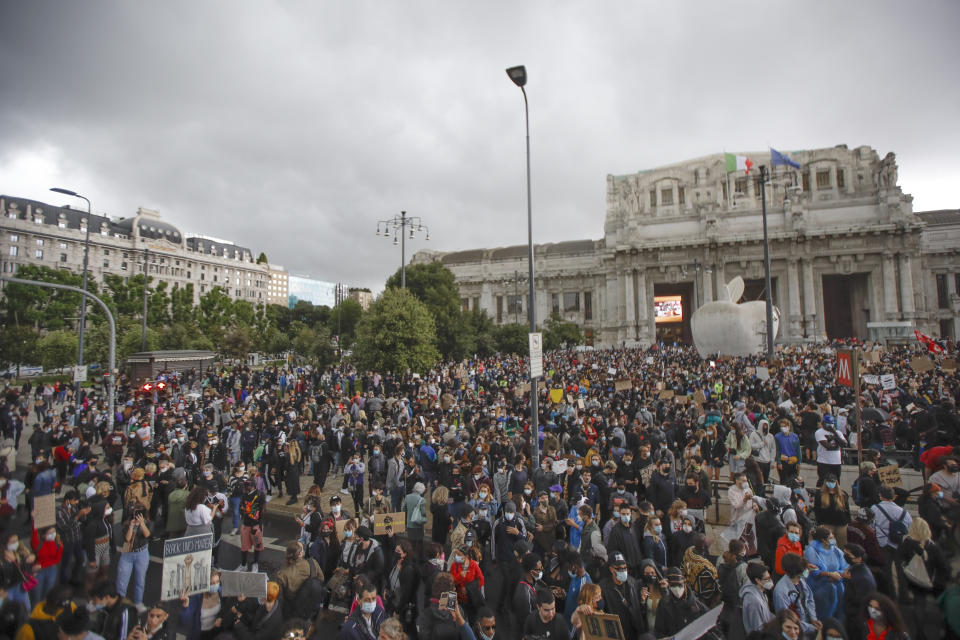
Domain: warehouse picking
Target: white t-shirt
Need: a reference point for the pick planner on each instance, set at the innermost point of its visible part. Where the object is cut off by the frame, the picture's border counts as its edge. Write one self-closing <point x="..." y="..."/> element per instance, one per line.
<point x="826" y="456"/>
<point x="201" y="515"/>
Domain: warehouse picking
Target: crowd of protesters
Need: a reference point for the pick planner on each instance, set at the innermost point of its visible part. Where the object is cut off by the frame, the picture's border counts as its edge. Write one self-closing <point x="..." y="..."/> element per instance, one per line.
<point x="604" y="511"/>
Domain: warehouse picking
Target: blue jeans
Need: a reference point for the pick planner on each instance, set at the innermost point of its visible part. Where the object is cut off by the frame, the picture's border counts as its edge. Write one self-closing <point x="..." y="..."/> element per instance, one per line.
<point x="235" y="508"/>
<point x="137" y="563"/>
<point x="46" y="578"/>
<point x="17" y="594"/>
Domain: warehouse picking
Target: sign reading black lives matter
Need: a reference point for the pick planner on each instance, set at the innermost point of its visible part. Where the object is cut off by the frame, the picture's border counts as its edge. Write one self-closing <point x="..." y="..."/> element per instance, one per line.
<point x="186" y="566"/>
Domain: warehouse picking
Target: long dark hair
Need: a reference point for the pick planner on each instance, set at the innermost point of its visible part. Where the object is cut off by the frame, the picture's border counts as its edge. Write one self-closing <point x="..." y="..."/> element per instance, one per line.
<point x="197" y="497"/>
<point x="891" y="612"/>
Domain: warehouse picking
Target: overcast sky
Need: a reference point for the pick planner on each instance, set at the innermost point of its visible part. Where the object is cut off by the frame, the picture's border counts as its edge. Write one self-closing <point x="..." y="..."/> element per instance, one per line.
<point x="293" y="127"/>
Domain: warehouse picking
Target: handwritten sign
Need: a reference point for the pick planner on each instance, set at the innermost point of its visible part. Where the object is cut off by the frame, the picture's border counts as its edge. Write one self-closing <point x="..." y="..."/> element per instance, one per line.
<point x="44" y="511"/>
<point x="236" y="583"/>
<point x="868" y="379"/>
<point x="186" y="566"/>
<point x="622" y="385"/>
<point x="763" y="373"/>
<point x="602" y="626"/>
<point x="888" y="382"/>
<point x="921" y="364"/>
<point x="699" y="397"/>
<point x="580" y="404"/>
<point x="396" y="521"/>
<point x="666" y="394"/>
<point x="890" y="475"/>
<point x="559" y="467"/>
<point x="948" y="364"/>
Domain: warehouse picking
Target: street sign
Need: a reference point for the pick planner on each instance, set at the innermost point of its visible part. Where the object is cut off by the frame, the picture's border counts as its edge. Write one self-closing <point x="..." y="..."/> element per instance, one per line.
<point x="844" y="366"/>
<point x="80" y="373"/>
<point x="536" y="355"/>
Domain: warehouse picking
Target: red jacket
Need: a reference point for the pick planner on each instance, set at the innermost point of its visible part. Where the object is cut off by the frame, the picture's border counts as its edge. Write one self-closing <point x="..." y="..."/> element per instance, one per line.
<point x="49" y="553"/>
<point x="461" y="577"/>
<point x="60" y="454"/>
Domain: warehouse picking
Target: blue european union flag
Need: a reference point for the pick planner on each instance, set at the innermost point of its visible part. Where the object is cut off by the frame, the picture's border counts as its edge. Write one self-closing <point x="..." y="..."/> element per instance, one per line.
<point x="777" y="158"/>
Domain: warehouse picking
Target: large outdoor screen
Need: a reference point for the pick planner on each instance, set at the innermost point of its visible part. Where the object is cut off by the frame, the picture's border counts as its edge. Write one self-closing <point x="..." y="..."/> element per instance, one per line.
<point x="668" y="309"/>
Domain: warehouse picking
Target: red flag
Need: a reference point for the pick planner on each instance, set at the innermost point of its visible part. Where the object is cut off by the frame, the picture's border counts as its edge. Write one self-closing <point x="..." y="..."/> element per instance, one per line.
<point x="931" y="344"/>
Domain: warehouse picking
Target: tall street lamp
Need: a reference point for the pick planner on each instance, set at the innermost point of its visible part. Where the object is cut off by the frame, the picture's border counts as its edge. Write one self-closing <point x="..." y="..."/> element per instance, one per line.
<point x="519" y="77"/>
<point x="83" y="298"/>
<point x="397" y="225"/>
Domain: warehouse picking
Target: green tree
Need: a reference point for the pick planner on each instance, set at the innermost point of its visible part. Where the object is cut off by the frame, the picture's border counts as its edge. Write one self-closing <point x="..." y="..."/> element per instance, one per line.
<point x="236" y="343"/>
<point x="262" y="258"/>
<point x="512" y="338"/>
<point x="397" y="333"/>
<point x="436" y="287"/>
<point x="131" y="340"/>
<point x="275" y="341"/>
<point x="44" y="308"/>
<point x="558" y="333"/>
<point x="483" y="330"/>
<point x="57" y="349"/>
<point x="158" y="306"/>
<point x="313" y="345"/>
<point x="18" y="345"/>
<point x="344" y="318"/>
<point x="215" y="314"/>
<point x="182" y="310"/>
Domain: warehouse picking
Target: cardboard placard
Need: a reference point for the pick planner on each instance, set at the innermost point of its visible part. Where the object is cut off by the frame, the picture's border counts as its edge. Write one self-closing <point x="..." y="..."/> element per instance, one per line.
<point x="763" y="373"/>
<point x="681" y="399"/>
<point x="580" y="404"/>
<point x="920" y="364"/>
<point x="396" y="521"/>
<point x="602" y="626"/>
<point x="871" y="356"/>
<point x="186" y="566"/>
<point x="44" y="511"/>
<point x="666" y="394"/>
<point x="569" y="399"/>
<point x="340" y="524"/>
<point x="237" y="583"/>
<point x="612" y="371"/>
<point x="699" y="397"/>
<point x="751" y="371"/>
<point x="888" y="382"/>
<point x="646" y="473"/>
<point x="868" y="379"/>
<point x="622" y="385"/>
<point x="890" y="475"/>
<point x="948" y="364"/>
<point x="559" y="467"/>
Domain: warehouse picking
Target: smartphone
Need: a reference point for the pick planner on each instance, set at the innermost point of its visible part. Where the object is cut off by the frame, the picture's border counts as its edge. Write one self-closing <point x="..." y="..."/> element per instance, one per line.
<point x="451" y="600"/>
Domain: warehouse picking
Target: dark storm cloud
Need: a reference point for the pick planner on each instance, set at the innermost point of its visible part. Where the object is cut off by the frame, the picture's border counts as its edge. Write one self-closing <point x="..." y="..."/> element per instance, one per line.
<point x="293" y="127"/>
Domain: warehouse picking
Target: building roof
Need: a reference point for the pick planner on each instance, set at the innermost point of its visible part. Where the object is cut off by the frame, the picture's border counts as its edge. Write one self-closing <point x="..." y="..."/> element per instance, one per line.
<point x="519" y="252"/>
<point x="172" y="355"/>
<point x="53" y="214"/>
<point x="941" y="216"/>
<point x="203" y="245"/>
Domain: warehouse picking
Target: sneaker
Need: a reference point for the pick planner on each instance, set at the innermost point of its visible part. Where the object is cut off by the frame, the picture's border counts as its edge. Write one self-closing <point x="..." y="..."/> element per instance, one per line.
<point x="344" y="492"/>
<point x="235" y="532"/>
<point x="292" y="500"/>
<point x="255" y="567"/>
<point x="140" y="607"/>
<point x="242" y="567"/>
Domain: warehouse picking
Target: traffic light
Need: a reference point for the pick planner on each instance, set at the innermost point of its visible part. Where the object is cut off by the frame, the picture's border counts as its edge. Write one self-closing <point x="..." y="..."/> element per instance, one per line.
<point x="147" y="388"/>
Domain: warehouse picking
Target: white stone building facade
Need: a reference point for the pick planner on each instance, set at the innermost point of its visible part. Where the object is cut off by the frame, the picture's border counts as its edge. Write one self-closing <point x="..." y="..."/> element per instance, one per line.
<point x="849" y="256"/>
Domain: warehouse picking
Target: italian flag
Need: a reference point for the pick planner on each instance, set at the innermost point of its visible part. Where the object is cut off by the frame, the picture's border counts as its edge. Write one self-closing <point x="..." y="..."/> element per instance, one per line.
<point x="738" y="163"/>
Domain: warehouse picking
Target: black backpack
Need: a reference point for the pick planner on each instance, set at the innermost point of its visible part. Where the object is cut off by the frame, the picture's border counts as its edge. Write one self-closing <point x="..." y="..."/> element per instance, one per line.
<point x="897" y="529"/>
<point x="729" y="584"/>
<point x="308" y="599"/>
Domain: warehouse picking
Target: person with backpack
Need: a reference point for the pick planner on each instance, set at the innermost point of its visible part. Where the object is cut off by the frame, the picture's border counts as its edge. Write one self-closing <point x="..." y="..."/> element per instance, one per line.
<point x="731" y="575"/>
<point x="866" y="487"/>
<point x="922" y="572"/>
<point x="299" y="581"/>
<point x="891" y="523"/>
<point x="792" y="592"/>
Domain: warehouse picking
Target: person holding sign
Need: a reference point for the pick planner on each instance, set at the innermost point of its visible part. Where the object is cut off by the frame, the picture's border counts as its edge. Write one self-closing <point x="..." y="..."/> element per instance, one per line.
<point x="622" y="596"/>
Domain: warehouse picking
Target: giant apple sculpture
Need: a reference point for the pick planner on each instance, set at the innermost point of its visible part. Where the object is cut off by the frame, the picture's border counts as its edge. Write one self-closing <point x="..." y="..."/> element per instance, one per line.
<point x="726" y="328"/>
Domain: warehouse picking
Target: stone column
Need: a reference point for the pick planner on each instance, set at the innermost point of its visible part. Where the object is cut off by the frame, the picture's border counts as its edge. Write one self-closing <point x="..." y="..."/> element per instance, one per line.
<point x="707" y="286"/>
<point x="809" y="299"/>
<point x="890" y="308"/>
<point x="794" y="314"/>
<point x="643" y="311"/>
<point x="721" y="282"/>
<point x="486" y="299"/>
<point x="906" y="287"/>
<point x="630" y="306"/>
<point x="608" y="318"/>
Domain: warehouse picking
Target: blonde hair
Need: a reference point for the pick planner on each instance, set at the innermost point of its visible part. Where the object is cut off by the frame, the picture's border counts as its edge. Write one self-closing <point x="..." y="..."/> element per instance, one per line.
<point x="588" y="592"/>
<point x="440" y="495"/>
<point x="919" y="530"/>
<point x="392" y="628"/>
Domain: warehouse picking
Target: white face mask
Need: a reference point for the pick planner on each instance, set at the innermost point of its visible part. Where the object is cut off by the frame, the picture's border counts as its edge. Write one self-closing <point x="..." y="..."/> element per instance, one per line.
<point x="13" y="546"/>
<point x="677" y="591"/>
<point x="52" y="535"/>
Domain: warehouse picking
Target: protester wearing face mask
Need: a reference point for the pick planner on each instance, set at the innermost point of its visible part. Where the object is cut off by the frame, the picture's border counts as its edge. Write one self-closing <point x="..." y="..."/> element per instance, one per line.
<point x="753" y="598"/>
<point x="831" y="507"/>
<point x="97" y="537"/>
<point x="792" y="592"/>
<point x="486" y="625"/>
<point x="525" y="595"/>
<point x="115" y="614"/>
<point x="788" y="451"/>
<point x="365" y="620"/>
<point x="679" y="606"/>
<point x="545" y="622"/>
<point x="882" y="619"/>
<point x="826" y="580"/>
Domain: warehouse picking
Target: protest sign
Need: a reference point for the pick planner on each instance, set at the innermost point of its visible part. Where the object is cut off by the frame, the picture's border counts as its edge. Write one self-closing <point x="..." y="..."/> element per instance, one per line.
<point x="751" y="371"/>
<point x="888" y="382"/>
<point x="559" y="467"/>
<point x="870" y="379"/>
<point x="340" y="524"/>
<point x="763" y="373"/>
<point x="871" y="356"/>
<point x="602" y="626"/>
<point x="44" y="511"/>
<point x="649" y="360"/>
<point x="396" y="521"/>
<point x="666" y="394"/>
<point x="556" y="395"/>
<point x="890" y="475"/>
<point x="681" y="399"/>
<point x="699" y="627"/>
<point x="612" y="371"/>
<point x="921" y="364"/>
<point x="622" y="385"/>
<point x="186" y="566"/>
<point x="237" y="583"/>
<point x="580" y="404"/>
<point x="646" y="473"/>
<point x="948" y="364"/>
<point x="699" y="397"/>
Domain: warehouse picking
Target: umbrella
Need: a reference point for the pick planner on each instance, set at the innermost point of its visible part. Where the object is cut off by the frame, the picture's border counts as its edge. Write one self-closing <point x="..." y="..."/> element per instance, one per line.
<point x="875" y="414"/>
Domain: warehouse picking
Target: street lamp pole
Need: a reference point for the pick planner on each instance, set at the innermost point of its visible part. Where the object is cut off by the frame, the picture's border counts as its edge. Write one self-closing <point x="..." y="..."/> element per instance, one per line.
<point x="398" y="225"/>
<point x="83" y="298"/>
<point x="146" y="279"/>
<point x="766" y="263"/>
<point x="519" y="77"/>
